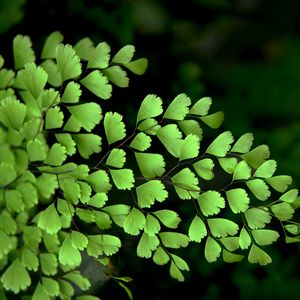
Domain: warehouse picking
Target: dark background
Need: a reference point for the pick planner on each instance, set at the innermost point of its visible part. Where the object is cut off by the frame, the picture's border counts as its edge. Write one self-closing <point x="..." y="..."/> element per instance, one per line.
<point x="245" y="54"/>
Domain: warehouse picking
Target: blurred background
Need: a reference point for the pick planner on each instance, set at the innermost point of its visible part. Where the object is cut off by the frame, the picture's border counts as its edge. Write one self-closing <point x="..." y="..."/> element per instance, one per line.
<point x="245" y="54"/>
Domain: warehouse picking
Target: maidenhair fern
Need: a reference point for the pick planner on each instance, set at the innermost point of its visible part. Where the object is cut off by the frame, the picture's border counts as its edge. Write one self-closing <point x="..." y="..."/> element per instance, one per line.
<point x="55" y="206"/>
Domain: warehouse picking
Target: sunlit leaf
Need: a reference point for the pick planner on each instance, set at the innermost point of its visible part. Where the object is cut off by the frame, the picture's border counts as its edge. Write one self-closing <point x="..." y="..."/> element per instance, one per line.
<point x="114" y="127"/>
<point x="178" y="108"/>
<point x="84" y="48"/>
<point x="29" y="260"/>
<point x="87" y="144"/>
<point x="160" y="256"/>
<point x="50" y="286"/>
<point x="259" y="188"/>
<point x="220" y="227"/>
<point x="49" y="220"/>
<point x="229" y="257"/>
<point x="36" y="150"/>
<point x="242" y="171"/>
<point x="99" y="181"/>
<point x="150" y="107"/>
<point x="228" y="164"/>
<point x="151" y="165"/>
<point x="257" y="255"/>
<point x="174" y="240"/>
<point x="244" y="239"/>
<point x="123" y="178"/>
<point x="289" y="196"/>
<point x="75" y="277"/>
<point x="221" y="145"/>
<point x="265" y="237"/>
<point x="124" y="55"/>
<point x="190" y="127"/>
<point x="212" y="249"/>
<point x="52" y="41"/>
<point x="103" y="244"/>
<point x="201" y="107"/>
<point x="100" y="56"/>
<point x="56" y="155"/>
<point x="280" y="183"/>
<point x="134" y="222"/>
<point x="210" y="203"/>
<point x="68" y="254"/>
<point x="22" y="50"/>
<point x="141" y="142"/>
<point x="257" y="156"/>
<point x="152" y="226"/>
<point x="243" y="144"/>
<point x="204" y="168"/>
<point x="54" y="118"/>
<point x="146" y="245"/>
<point x="238" y="200"/>
<point x="138" y="66"/>
<point x="283" y="211"/>
<point x="197" y="230"/>
<point x="266" y="170"/>
<point x="117" y="76"/>
<point x="257" y="217"/>
<point x="71" y="93"/>
<point x="190" y="147"/>
<point x="214" y="120"/>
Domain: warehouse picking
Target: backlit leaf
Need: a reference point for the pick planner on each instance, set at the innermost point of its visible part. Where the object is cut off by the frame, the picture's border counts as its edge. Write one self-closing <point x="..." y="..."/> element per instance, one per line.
<point x="152" y="226"/>
<point x="65" y="139"/>
<point x="201" y="107"/>
<point x="221" y="145"/>
<point x="214" y="120"/>
<point x="68" y="62"/>
<point x="190" y="127"/>
<point x="160" y="256"/>
<point x="229" y="257"/>
<point x="123" y="178"/>
<point x="146" y="245"/>
<point x="22" y="50"/>
<point x="197" y="230"/>
<point x="242" y="171"/>
<point x="16" y="278"/>
<point x="210" y="203"/>
<point x="238" y="200"/>
<point x="283" y="211"/>
<point x="114" y="127"/>
<point x="116" y="158"/>
<point x="48" y="263"/>
<point x="257" y="218"/>
<point x="103" y="244"/>
<point x="46" y="185"/>
<point x="49" y="220"/>
<point x="52" y="41"/>
<point x="54" y="118"/>
<point x="84" y="48"/>
<point x="280" y="183"/>
<point x="138" y="66"/>
<point x="190" y="147"/>
<point x="212" y="250"/>
<point x="266" y="170"/>
<point x="204" y="168"/>
<point x="178" y="108"/>
<point x="228" y="164"/>
<point x="75" y="277"/>
<point x="36" y="150"/>
<point x="289" y="196"/>
<point x="220" y="227"/>
<point x="141" y="142"/>
<point x="87" y="144"/>
<point x="257" y="255"/>
<point x="150" y="107"/>
<point x="149" y="126"/>
<point x="134" y="222"/>
<point x="100" y="56"/>
<point x="71" y="93"/>
<point x="117" y="76"/>
<point x="54" y="77"/>
<point x="244" y="239"/>
<point x="68" y="254"/>
<point x="167" y="217"/>
<point x="32" y="236"/>
<point x="259" y="188"/>
<point x="265" y="237"/>
<point x="124" y="55"/>
<point x="98" y="84"/>
<point x="118" y="213"/>
<point x="243" y="144"/>
<point x="102" y="220"/>
<point x="99" y="181"/>
<point x="257" y="156"/>
<point x="151" y="165"/>
<point x="56" y="155"/>
<point x="150" y="191"/>
<point x="79" y="240"/>
<point x="174" y="240"/>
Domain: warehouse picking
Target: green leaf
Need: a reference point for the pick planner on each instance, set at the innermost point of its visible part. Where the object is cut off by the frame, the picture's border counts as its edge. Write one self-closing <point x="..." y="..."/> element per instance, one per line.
<point x="36" y="150"/>
<point x="212" y="250"/>
<point x="87" y="297"/>
<point x="141" y="142"/>
<point x="134" y="222"/>
<point x="68" y="254"/>
<point x="152" y="226"/>
<point x="6" y="244"/>
<point x="33" y="78"/>
<point x="243" y="144"/>
<point x="201" y="107"/>
<point x="98" y="200"/>
<point x="79" y="240"/>
<point x="6" y="78"/>
<point x="46" y="185"/>
<point x="146" y="245"/>
<point x="54" y="118"/>
<point x="52" y="41"/>
<point x="265" y="237"/>
<point x="1" y="61"/>
<point x="257" y="217"/>
<point x="242" y="171"/>
<point x="102" y="220"/>
<point x="190" y="127"/>
<point x="87" y="144"/>
<point x="40" y="293"/>
<point x="150" y="191"/>
<point x="178" y="108"/>
<point x="151" y="165"/>
<point x="16" y="278"/>
<point x="99" y="181"/>
<point x="50" y="286"/>
<point x="123" y="178"/>
<point x="48" y="263"/>
<point x="75" y="277"/>
<point x="266" y="170"/>
<point x="167" y="217"/>
<point x="124" y="55"/>
<point x="197" y="230"/>
<point x="149" y="126"/>
<point x="186" y="184"/>
<point x="228" y="164"/>
<point x="238" y="200"/>
<point x="7" y="223"/>
<point x="221" y="145"/>
<point x="214" y="120"/>
<point x="138" y="66"/>
<point x="98" y="84"/>
<point x="114" y="127"/>
<point x="257" y="255"/>
<point x="85" y="215"/>
<point x="175" y="272"/>
<point x="56" y="155"/>
<point x="190" y="147"/>
<point x="116" y="158"/>
<point x="160" y="256"/>
<point x="8" y="173"/>
<point x="259" y="188"/>
<point x="66" y="289"/>
<point x="118" y="213"/>
<point x="220" y="227"/>
<point x="32" y="236"/>
<point x="231" y="243"/>
<point x="280" y="183"/>
<point x="210" y="203"/>
<point x="48" y="98"/>
<point x="180" y="263"/>
<point x="289" y="196"/>
<point x="31" y="128"/>
<point x="49" y="220"/>
<point x="126" y="289"/>
<point x="54" y="77"/>
<point x="87" y="115"/>
<point x="29" y="260"/>
<point x="14" y="201"/>
<point x="84" y="48"/>
<point x="65" y="139"/>
<point x="150" y="107"/>
<point x="12" y="113"/>
<point x="292" y="228"/>
<point x="117" y="76"/>
<point x="204" y="168"/>
<point x="71" y="93"/>
<point x="68" y="62"/>
<point x="257" y="156"/>
<point x="283" y="211"/>
<point x="244" y="239"/>
<point x="22" y="50"/>
<point x="171" y="138"/>
<point x="100" y="56"/>
<point x="174" y="240"/>
<point x="103" y="244"/>
<point x="229" y="257"/>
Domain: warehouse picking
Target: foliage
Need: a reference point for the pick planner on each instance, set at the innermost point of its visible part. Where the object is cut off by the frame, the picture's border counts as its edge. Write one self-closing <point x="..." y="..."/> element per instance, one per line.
<point x="62" y="158"/>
